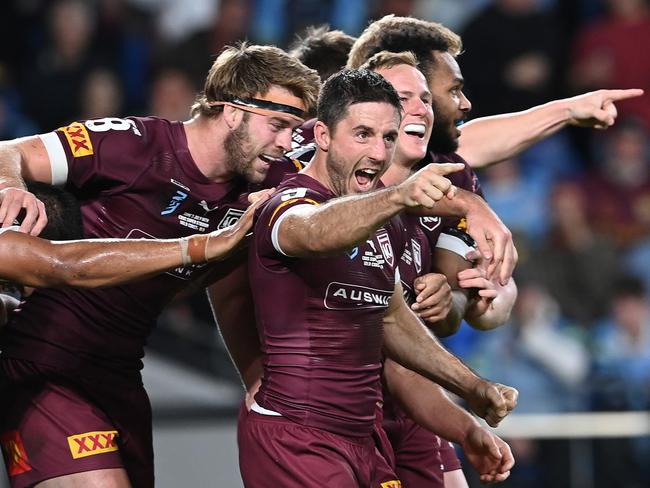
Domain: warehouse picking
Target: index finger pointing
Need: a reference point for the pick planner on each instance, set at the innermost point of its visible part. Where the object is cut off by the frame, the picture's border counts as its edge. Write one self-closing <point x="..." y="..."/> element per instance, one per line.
<point x="446" y="168"/>
<point x="615" y="95"/>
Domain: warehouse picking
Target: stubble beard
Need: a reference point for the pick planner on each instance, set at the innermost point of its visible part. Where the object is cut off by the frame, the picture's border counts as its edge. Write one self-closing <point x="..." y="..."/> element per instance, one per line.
<point x="441" y="140"/>
<point x="239" y="160"/>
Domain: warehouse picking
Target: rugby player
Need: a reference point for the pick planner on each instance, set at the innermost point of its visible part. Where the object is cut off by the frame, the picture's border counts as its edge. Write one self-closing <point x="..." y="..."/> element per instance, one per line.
<point x="434" y="303"/>
<point x="314" y="412"/>
<point x="486" y="140"/>
<point x="71" y="359"/>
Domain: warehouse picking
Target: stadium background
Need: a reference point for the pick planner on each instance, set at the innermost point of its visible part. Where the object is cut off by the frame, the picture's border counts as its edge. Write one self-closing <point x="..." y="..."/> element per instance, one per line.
<point x="578" y="203"/>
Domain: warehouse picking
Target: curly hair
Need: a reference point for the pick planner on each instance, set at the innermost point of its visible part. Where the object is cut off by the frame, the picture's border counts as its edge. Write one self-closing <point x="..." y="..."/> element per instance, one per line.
<point x="398" y="34"/>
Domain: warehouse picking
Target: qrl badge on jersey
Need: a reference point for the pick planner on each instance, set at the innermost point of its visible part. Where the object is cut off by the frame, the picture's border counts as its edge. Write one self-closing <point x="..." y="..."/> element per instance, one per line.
<point x="386" y="248"/>
<point x="232" y="217"/>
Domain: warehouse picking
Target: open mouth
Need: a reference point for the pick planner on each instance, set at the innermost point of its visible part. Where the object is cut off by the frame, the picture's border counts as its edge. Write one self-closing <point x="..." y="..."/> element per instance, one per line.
<point x="415" y="130"/>
<point x="269" y="159"/>
<point x="365" y="177"/>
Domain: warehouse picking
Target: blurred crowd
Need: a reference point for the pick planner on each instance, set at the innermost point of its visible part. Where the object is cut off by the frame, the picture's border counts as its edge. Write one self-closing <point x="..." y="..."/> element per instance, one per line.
<point x="578" y="203"/>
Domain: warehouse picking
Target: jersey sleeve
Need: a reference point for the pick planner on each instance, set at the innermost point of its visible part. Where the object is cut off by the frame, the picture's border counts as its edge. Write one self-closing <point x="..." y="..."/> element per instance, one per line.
<point x="274" y="212"/>
<point x="97" y="152"/>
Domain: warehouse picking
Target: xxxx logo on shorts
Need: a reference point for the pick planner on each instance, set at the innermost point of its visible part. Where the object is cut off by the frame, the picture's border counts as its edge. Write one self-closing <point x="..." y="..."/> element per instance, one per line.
<point x="14" y="453"/>
<point x="91" y="443"/>
<point x="392" y="484"/>
<point x="78" y="139"/>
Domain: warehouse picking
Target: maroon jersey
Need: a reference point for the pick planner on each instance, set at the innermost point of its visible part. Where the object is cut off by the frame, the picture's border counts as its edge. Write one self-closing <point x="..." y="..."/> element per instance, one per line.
<point x="134" y="178"/>
<point x="320" y="319"/>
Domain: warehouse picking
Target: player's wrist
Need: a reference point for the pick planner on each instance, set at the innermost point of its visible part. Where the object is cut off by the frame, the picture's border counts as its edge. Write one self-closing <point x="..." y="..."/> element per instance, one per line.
<point x="194" y="249"/>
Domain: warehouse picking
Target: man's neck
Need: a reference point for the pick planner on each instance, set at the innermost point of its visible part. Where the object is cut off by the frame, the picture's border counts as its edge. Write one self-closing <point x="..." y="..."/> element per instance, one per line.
<point x="317" y="169"/>
<point x="205" y="140"/>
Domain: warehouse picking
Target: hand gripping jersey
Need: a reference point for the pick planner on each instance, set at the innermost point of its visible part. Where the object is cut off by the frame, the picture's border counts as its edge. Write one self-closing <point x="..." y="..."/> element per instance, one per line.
<point x="320" y="319"/>
<point x="135" y="178"/>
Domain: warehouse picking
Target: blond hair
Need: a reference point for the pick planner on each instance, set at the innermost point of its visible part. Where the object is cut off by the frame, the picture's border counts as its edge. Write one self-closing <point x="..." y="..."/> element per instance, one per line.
<point x="387" y="60"/>
<point x="247" y="70"/>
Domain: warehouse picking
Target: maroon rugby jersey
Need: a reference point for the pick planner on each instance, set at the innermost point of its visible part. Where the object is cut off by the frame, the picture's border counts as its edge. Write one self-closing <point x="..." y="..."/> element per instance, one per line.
<point x="320" y="319"/>
<point x="135" y="178"/>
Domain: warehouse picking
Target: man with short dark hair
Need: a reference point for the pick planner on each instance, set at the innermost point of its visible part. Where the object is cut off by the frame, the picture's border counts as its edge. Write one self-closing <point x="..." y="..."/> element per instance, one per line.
<point x="337" y="257"/>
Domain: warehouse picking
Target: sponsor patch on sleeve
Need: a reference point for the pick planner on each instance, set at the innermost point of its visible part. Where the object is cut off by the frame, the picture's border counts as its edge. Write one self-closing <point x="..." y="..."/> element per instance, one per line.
<point x="14" y="453"/>
<point x="392" y="484"/>
<point x="91" y="443"/>
<point x="78" y="139"/>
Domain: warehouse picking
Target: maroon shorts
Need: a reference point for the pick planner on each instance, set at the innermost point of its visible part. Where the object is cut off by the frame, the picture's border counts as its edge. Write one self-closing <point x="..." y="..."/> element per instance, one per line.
<point x="274" y="451"/>
<point x="421" y="457"/>
<point x="448" y="456"/>
<point x="52" y="426"/>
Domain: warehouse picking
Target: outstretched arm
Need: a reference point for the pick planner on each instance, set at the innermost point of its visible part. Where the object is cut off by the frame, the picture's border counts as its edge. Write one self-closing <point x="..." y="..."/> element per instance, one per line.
<point x="37" y="262"/>
<point x="489" y="140"/>
<point x="344" y="222"/>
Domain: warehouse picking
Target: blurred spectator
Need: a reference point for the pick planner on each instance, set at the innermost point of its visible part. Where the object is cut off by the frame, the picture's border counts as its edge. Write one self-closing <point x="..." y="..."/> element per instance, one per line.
<point x="510" y="63"/>
<point x="101" y="95"/>
<point x="13" y="123"/>
<point x="613" y="53"/>
<point x="576" y="264"/>
<point x="124" y="37"/>
<point x="231" y="24"/>
<point x="622" y="350"/>
<point x="56" y="78"/>
<point x="171" y="95"/>
<point x="520" y="202"/>
<point x="275" y="21"/>
<point x="451" y="13"/>
<point x="538" y="353"/>
<point x="619" y="192"/>
<point x="621" y="381"/>
<point x="544" y="357"/>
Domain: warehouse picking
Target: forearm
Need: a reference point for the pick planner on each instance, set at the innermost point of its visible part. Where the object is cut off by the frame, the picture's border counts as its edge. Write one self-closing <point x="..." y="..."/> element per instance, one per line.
<point x="489" y="140"/>
<point x="41" y="263"/>
<point x="427" y="404"/>
<point x="409" y="343"/>
<point x="338" y="224"/>
<point x="11" y="166"/>
<point x="498" y="312"/>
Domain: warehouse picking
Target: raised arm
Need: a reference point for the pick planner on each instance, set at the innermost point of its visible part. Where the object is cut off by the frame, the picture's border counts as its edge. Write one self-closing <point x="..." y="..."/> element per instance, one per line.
<point x="36" y="262"/>
<point x="23" y="158"/>
<point x="409" y="343"/>
<point x="490" y="140"/>
<point x="342" y="223"/>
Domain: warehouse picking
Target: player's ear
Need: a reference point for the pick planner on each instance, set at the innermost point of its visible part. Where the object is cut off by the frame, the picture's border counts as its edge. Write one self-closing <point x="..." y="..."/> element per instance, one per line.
<point x="232" y="116"/>
<point x="322" y="135"/>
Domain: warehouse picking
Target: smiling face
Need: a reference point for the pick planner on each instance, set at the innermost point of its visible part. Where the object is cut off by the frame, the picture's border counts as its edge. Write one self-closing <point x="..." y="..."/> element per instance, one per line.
<point x="257" y="142"/>
<point x="417" y="112"/>
<point x="450" y="105"/>
<point x="360" y="146"/>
